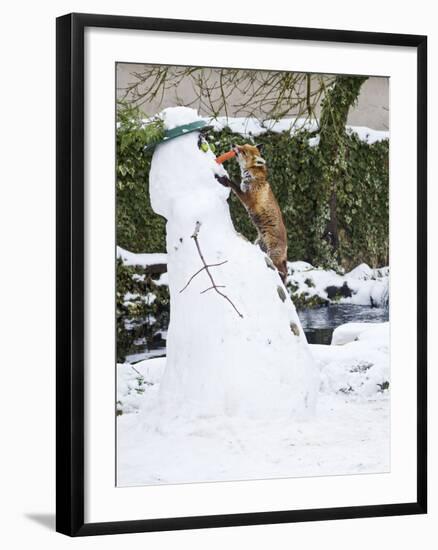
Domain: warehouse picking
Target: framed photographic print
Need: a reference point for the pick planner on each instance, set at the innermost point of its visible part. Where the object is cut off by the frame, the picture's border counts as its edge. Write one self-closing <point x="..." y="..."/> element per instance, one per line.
<point x="241" y="274"/>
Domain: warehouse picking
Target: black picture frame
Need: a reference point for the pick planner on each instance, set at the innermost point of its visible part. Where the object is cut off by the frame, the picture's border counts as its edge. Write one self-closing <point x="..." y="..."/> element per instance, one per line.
<point x="70" y="273"/>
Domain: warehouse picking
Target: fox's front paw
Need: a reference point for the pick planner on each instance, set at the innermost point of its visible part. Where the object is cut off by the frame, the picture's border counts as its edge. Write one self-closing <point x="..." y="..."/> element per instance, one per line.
<point x="245" y="182"/>
<point x="223" y="180"/>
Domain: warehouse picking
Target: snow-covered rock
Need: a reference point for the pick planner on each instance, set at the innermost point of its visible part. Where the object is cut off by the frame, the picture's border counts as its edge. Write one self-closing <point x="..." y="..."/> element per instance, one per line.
<point x="362" y="272"/>
<point x="361" y="286"/>
<point x="347" y="333"/>
<point x="218" y="362"/>
<point x="357" y="362"/>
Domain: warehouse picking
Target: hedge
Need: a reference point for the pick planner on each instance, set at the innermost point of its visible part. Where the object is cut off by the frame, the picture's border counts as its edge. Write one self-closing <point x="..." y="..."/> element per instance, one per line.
<point x="295" y="169"/>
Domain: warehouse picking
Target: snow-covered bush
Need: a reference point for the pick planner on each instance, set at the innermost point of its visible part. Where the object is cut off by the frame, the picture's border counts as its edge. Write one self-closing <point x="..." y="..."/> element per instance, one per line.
<point x="142" y="304"/>
<point x="134" y="380"/>
<point x="314" y="287"/>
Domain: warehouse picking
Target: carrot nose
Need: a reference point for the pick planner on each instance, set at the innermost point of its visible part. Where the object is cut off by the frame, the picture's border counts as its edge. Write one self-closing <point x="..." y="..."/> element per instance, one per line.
<point x="226" y="156"/>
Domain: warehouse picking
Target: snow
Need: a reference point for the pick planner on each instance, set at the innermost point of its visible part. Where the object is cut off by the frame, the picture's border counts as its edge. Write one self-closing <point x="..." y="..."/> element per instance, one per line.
<point x="244" y="126"/>
<point x="250" y="126"/>
<point x="244" y="397"/>
<point x="369" y="287"/>
<point x="143" y="260"/>
<point x="347" y="333"/>
<point x="148" y="299"/>
<point x="349" y="433"/>
<point x="162" y="280"/>
<point x="357" y="361"/>
<point x="291" y="125"/>
<point x="367" y="134"/>
<point x="217" y="361"/>
<point x="133" y="380"/>
<point x="299" y="266"/>
<point x="362" y="272"/>
<point x="178" y="116"/>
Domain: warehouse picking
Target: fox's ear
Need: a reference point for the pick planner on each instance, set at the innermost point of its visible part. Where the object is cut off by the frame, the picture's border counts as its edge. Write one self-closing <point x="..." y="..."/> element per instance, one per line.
<point x="260" y="147"/>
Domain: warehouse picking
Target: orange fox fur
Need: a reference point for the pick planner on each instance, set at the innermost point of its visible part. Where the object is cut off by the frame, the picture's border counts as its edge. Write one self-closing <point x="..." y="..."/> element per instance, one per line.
<point x="256" y="195"/>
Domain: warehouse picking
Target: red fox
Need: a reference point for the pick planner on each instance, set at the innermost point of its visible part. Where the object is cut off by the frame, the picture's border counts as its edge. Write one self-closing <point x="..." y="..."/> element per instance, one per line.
<point x="256" y="195"/>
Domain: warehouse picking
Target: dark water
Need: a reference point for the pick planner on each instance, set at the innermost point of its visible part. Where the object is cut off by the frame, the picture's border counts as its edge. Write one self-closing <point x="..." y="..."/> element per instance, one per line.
<point x="318" y="325"/>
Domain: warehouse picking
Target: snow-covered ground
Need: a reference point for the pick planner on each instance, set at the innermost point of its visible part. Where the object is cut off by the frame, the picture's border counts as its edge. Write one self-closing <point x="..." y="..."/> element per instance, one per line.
<point x="349" y="433"/>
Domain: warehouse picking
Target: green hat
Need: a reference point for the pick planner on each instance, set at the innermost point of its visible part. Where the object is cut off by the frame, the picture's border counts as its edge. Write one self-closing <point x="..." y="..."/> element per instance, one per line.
<point x="179" y="131"/>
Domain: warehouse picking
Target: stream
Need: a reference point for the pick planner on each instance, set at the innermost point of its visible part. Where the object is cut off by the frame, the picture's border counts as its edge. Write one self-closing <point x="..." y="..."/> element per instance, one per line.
<point x="318" y="325"/>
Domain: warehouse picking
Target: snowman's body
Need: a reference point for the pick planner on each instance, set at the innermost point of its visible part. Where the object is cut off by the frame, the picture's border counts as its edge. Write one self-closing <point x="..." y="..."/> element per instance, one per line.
<point x="217" y="361"/>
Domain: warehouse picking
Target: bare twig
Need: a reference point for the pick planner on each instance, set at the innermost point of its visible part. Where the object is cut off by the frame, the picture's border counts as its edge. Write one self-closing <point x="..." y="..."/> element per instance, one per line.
<point x="243" y="92"/>
<point x="206" y="267"/>
<point x="211" y="287"/>
<point x="196" y="233"/>
<point x="199" y="271"/>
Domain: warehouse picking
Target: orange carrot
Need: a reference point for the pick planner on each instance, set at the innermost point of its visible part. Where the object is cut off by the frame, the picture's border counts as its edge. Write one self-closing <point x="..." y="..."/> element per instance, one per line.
<point x="226" y="156"/>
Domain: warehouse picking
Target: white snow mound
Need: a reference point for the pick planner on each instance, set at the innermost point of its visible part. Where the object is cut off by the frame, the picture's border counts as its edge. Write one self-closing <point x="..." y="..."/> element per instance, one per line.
<point x="357" y="362"/>
<point x="351" y="332"/>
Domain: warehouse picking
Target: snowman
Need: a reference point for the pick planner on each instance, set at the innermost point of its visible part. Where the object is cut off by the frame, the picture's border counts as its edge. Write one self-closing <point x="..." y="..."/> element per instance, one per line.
<point x="235" y="345"/>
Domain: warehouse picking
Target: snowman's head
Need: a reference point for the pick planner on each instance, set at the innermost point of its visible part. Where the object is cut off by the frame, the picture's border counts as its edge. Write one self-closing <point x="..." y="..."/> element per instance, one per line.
<point x="182" y="177"/>
<point x="174" y="117"/>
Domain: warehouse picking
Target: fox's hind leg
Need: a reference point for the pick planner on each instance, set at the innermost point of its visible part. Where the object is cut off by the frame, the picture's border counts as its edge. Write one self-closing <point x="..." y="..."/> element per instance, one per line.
<point x="281" y="266"/>
<point x="282" y="270"/>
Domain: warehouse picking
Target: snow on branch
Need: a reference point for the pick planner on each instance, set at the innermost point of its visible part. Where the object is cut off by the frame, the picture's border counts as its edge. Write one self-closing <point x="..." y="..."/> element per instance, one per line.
<point x="206" y="267"/>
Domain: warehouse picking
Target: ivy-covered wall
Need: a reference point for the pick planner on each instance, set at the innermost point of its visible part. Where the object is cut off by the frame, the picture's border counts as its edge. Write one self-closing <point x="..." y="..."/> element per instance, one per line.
<point x="139" y="229"/>
<point x="296" y="176"/>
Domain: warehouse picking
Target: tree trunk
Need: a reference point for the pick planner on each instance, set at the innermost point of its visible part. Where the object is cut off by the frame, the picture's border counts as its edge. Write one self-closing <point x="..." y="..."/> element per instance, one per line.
<point x="335" y="108"/>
